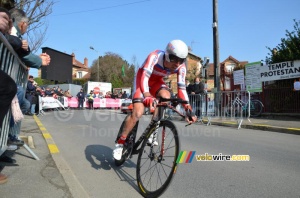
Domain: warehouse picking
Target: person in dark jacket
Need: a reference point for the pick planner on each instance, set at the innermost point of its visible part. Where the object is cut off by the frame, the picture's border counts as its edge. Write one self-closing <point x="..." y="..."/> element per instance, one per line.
<point x="198" y="91"/>
<point x="80" y="98"/>
<point x="34" y="102"/>
<point x="189" y="87"/>
<point x="29" y="91"/>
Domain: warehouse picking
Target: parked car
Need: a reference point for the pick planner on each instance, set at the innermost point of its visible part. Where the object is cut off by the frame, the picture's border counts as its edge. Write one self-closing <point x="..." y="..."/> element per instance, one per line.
<point x="127" y="107"/>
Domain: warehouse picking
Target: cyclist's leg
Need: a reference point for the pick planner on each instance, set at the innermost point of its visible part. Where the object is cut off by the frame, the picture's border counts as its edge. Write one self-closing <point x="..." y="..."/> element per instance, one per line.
<point x="159" y="89"/>
<point x="137" y="112"/>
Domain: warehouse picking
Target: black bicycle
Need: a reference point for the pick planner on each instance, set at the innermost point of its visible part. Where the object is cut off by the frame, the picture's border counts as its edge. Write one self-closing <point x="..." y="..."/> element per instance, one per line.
<point x="156" y="164"/>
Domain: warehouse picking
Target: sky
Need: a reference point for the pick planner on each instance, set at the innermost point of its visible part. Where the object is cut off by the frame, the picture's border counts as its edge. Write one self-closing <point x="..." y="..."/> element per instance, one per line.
<point x="134" y="28"/>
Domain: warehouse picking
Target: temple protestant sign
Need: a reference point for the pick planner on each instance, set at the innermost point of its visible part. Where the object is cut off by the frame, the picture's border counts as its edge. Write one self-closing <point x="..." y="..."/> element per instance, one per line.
<point x="280" y="71"/>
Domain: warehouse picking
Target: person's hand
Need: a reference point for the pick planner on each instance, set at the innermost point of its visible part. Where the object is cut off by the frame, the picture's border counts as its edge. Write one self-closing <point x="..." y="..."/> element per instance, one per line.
<point x="190" y="115"/>
<point x="25" y="45"/>
<point x="193" y="93"/>
<point x="5" y="22"/>
<point x="45" y="59"/>
<point x="148" y="101"/>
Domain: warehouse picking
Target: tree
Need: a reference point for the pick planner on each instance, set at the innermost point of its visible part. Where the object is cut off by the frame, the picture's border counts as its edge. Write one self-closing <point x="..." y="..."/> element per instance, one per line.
<point x="288" y="49"/>
<point x="192" y="72"/>
<point x="37" y="12"/>
<point x="110" y="70"/>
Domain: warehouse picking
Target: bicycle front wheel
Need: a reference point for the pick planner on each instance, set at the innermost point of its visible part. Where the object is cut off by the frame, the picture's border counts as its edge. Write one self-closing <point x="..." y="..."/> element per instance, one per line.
<point x="157" y="163"/>
<point x="256" y="108"/>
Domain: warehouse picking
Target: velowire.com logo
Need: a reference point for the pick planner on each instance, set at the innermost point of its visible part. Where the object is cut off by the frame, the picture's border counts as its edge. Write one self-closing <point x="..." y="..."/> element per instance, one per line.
<point x="188" y="156"/>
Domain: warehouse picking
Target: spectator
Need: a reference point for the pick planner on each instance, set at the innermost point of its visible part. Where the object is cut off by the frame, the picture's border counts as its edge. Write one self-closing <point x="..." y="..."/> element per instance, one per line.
<point x="13" y="138"/>
<point x="14" y="41"/>
<point x="8" y="87"/>
<point x="48" y="92"/>
<point x="59" y="92"/>
<point x="90" y="98"/>
<point x="188" y="86"/>
<point x="19" y="28"/>
<point x="5" y="21"/>
<point x="16" y="44"/>
<point x="24" y="103"/>
<point x="30" y="90"/>
<point x="67" y="94"/>
<point x="8" y="90"/>
<point x="80" y="98"/>
<point x="100" y="95"/>
<point x="114" y="95"/>
<point x="34" y="102"/>
<point x="198" y="91"/>
<point x="108" y="95"/>
<point x="124" y="95"/>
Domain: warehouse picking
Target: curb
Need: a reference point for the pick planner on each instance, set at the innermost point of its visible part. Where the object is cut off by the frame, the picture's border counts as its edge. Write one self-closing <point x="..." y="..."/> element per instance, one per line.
<point x="294" y="131"/>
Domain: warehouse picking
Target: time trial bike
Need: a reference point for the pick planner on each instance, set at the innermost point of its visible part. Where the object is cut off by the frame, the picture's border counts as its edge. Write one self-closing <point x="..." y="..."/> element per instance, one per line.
<point x="156" y="163"/>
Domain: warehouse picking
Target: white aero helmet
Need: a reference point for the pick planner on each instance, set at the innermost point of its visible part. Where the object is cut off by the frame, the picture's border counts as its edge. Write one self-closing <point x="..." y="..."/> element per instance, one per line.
<point x="177" y="48"/>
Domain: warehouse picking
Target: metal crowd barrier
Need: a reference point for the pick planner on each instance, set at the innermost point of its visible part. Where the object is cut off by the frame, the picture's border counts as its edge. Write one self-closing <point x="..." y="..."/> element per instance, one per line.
<point x="12" y="65"/>
<point x="231" y="105"/>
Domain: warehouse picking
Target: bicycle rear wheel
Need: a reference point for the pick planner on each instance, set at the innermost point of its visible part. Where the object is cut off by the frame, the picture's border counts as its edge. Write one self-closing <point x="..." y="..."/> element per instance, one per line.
<point x="157" y="164"/>
<point x="129" y="142"/>
<point x="256" y="108"/>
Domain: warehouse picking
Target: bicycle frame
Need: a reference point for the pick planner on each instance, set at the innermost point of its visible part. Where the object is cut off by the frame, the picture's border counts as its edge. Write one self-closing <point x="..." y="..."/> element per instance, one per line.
<point x="242" y="107"/>
<point x="158" y="115"/>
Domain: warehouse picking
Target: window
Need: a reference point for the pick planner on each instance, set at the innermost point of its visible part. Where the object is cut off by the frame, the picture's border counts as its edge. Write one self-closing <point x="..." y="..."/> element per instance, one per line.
<point x="79" y="74"/>
<point x="229" y="67"/>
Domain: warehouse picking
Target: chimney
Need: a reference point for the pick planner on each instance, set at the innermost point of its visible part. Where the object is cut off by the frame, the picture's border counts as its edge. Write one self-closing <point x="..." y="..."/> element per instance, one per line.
<point x="86" y="62"/>
<point x="73" y="58"/>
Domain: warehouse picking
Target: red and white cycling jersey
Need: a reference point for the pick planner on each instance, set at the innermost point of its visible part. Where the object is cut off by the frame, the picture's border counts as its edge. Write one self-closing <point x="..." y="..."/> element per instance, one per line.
<point x="151" y="73"/>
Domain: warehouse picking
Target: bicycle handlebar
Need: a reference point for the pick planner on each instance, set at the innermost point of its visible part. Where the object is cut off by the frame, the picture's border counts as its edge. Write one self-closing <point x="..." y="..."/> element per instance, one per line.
<point x="174" y="103"/>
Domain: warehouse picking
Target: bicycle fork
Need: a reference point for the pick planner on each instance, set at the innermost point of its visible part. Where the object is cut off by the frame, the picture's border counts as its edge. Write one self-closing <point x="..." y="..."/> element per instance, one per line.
<point x="162" y="145"/>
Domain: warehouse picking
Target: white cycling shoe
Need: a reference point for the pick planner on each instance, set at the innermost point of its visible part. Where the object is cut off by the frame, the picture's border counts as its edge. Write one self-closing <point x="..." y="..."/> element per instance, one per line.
<point x="150" y="140"/>
<point x="117" y="152"/>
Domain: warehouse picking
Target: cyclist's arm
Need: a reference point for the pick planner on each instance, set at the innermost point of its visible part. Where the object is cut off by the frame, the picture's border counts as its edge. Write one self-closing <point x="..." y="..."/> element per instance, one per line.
<point x="182" y="94"/>
<point x="147" y="71"/>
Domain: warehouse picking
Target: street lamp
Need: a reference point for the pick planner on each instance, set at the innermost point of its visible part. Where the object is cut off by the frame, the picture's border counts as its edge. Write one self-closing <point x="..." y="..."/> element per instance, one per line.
<point x="97" y="62"/>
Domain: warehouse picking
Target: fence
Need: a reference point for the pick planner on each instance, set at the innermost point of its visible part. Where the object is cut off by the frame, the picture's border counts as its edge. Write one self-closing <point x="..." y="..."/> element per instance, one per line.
<point x="281" y="100"/>
<point x="10" y="64"/>
<point x="231" y="105"/>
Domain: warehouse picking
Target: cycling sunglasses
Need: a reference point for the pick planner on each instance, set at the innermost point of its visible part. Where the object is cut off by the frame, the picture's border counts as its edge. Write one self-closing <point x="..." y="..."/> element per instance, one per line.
<point x="176" y="59"/>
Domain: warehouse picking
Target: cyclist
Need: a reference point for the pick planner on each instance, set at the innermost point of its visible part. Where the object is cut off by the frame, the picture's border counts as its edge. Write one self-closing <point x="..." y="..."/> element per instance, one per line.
<point x="149" y="83"/>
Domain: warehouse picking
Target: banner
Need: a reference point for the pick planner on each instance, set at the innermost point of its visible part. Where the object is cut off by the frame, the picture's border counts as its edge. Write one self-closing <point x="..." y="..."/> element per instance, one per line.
<point x="253" y="81"/>
<point x="50" y="103"/>
<point x="238" y="77"/>
<point x="280" y="71"/>
<point x="98" y="103"/>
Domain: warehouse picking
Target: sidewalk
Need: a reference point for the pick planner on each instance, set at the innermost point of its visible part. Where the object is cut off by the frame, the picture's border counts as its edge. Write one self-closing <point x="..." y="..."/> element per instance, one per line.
<point x="30" y="178"/>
